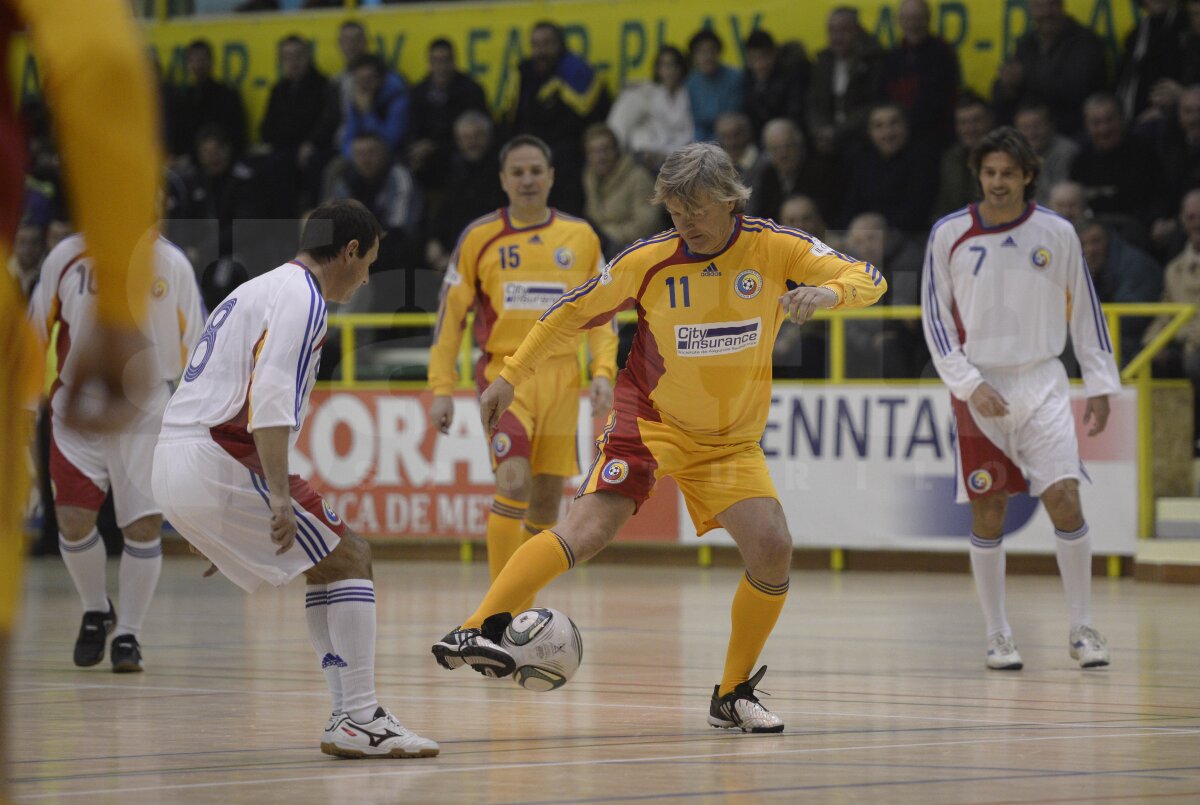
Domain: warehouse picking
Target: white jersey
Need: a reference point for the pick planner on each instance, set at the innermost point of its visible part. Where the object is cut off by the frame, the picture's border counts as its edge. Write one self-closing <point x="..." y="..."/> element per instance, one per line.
<point x="256" y="361"/>
<point x="1004" y="298"/>
<point x="66" y="296"/>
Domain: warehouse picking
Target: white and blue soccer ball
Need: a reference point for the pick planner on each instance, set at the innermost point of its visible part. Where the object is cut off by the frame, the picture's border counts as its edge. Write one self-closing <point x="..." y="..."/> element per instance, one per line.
<point x="546" y="646"/>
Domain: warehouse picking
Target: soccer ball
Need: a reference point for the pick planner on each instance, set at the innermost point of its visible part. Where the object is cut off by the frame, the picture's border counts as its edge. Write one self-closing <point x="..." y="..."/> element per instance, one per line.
<point x="546" y="646"/>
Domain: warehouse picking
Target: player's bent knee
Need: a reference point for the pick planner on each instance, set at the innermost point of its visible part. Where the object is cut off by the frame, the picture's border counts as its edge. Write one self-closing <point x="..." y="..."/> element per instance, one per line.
<point x="144" y="529"/>
<point x="513" y="479"/>
<point x="351" y="559"/>
<point x="74" y="523"/>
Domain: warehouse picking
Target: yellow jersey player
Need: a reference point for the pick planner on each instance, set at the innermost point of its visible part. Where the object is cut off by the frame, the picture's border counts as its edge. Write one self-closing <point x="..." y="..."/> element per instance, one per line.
<point x="82" y="73"/>
<point x="509" y="267"/>
<point x="691" y="403"/>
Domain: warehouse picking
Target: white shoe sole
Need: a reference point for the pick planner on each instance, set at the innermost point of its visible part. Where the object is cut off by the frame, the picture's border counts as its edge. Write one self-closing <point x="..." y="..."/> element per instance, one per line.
<point x="354" y="752"/>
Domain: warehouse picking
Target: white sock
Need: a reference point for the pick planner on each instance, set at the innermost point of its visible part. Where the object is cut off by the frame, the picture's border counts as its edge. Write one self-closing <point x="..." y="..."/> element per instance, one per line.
<point x="86" y="561"/>
<point x="316" y="612"/>
<point x="141" y="563"/>
<point x="1074" y="551"/>
<point x="352" y="632"/>
<point x="987" y="565"/>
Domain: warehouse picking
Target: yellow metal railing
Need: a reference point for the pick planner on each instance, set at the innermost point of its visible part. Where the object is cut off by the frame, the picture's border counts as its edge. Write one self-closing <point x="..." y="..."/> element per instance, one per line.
<point x="1137" y="372"/>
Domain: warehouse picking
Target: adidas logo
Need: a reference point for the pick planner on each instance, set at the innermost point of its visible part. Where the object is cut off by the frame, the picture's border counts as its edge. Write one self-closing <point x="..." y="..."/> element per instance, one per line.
<point x="1008" y="241"/>
<point x="711" y="271"/>
<point x="538" y="239"/>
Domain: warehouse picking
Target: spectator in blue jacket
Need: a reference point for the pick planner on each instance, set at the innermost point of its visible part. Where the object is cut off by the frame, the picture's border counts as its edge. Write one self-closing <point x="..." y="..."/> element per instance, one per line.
<point x="713" y="87"/>
<point x="378" y="103"/>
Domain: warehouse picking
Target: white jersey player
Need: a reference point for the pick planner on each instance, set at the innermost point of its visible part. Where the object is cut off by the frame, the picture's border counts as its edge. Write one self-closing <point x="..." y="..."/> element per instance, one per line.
<point x="221" y="467"/>
<point x="1004" y="283"/>
<point x="83" y="466"/>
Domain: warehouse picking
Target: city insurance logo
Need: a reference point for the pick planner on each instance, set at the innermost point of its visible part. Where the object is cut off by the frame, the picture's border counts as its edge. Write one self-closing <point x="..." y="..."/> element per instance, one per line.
<point x="717" y="338"/>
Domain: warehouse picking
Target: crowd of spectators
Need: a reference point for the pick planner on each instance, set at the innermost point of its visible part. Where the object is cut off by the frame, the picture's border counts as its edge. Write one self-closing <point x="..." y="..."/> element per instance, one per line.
<point x="860" y="144"/>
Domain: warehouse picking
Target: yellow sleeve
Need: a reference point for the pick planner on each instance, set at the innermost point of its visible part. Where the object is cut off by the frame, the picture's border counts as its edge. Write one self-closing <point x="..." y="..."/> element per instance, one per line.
<point x="592" y="304"/>
<point x="602" y="340"/>
<point x="457" y="297"/>
<point x="857" y="284"/>
<point x="97" y="81"/>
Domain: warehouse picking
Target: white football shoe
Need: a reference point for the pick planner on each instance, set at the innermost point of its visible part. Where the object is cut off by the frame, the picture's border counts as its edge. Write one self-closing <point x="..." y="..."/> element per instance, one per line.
<point x="382" y="736"/>
<point x="1002" y="654"/>
<point x="1089" y="647"/>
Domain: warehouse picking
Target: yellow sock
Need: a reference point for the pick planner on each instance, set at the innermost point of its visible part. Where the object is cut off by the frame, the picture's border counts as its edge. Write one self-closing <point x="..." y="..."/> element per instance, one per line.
<point x="531" y="531"/>
<point x="756" y="607"/>
<point x="504" y="533"/>
<point x="535" y="564"/>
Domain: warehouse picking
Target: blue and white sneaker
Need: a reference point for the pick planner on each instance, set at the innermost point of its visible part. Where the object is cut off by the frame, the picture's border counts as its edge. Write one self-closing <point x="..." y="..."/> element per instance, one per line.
<point x="1002" y="654"/>
<point x="1089" y="647"/>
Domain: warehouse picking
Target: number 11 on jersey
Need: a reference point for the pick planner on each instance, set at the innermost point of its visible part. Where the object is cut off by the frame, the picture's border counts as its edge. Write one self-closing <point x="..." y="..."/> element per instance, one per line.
<point x="683" y="284"/>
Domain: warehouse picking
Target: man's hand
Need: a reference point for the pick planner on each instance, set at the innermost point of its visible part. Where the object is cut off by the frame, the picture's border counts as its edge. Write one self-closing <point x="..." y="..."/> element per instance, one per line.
<point x="1011" y="74"/>
<point x="988" y="402"/>
<point x="601" y="395"/>
<point x="112" y="378"/>
<point x="283" y="523"/>
<point x="212" y="569"/>
<point x="493" y="402"/>
<point x="441" y="413"/>
<point x="1096" y="413"/>
<point x="801" y="303"/>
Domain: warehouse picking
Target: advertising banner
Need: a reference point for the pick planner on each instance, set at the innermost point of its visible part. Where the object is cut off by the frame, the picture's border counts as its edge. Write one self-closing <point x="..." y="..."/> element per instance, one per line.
<point x="864" y="466"/>
<point x="618" y="37"/>
<point x="873" y="467"/>
<point x="375" y="459"/>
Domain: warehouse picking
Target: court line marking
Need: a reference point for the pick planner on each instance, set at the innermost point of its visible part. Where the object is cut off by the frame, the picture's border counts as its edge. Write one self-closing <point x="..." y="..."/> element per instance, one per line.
<point x="559" y="704"/>
<point x="455" y="769"/>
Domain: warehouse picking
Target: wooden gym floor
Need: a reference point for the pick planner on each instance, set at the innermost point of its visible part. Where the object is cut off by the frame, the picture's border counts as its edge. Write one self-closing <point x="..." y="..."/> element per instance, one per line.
<point x="879" y="677"/>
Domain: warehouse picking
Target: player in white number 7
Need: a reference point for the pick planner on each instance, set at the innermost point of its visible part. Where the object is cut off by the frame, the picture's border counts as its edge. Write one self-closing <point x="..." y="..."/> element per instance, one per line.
<point x="1004" y="282"/>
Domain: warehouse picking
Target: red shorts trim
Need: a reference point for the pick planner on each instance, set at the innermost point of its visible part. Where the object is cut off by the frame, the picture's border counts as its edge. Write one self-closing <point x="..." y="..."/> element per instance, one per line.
<point x="71" y="486"/>
<point x="985" y="468"/>
<point x="623" y="463"/>
<point x="510" y="440"/>
<point x="314" y="504"/>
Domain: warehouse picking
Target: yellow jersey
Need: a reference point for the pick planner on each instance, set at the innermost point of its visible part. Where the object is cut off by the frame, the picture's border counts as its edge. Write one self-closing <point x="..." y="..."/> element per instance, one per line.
<point x="509" y="275"/>
<point x="701" y="359"/>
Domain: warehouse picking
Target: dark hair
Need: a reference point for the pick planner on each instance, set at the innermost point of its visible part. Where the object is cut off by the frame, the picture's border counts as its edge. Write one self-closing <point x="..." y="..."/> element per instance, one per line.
<point x="352" y="24"/>
<point x="969" y="99"/>
<point x="702" y="36"/>
<point x="200" y="44"/>
<point x="293" y="39"/>
<point x="1007" y="140"/>
<point x="525" y="139"/>
<point x="334" y="224"/>
<point x="442" y="42"/>
<point x="675" y="53"/>
<point x="601" y="130"/>
<point x="1040" y="107"/>
<point x="760" y="40"/>
<point x="555" y="28"/>
<point x="372" y="60"/>
<point x="214" y="131"/>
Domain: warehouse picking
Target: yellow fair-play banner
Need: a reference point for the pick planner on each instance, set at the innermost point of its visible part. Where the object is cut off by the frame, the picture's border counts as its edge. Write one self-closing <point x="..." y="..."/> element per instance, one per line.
<point x="619" y="37"/>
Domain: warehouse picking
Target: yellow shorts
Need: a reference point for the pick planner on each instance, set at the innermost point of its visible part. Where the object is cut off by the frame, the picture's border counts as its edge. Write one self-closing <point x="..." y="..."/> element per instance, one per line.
<point x="540" y="425"/>
<point x="635" y="451"/>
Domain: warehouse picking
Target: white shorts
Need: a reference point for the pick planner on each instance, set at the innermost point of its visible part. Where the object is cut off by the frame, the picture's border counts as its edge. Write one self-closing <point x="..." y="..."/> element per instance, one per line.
<point x="220" y="506"/>
<point x="1036" y="436"/>
<point x="84" y="465"/>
